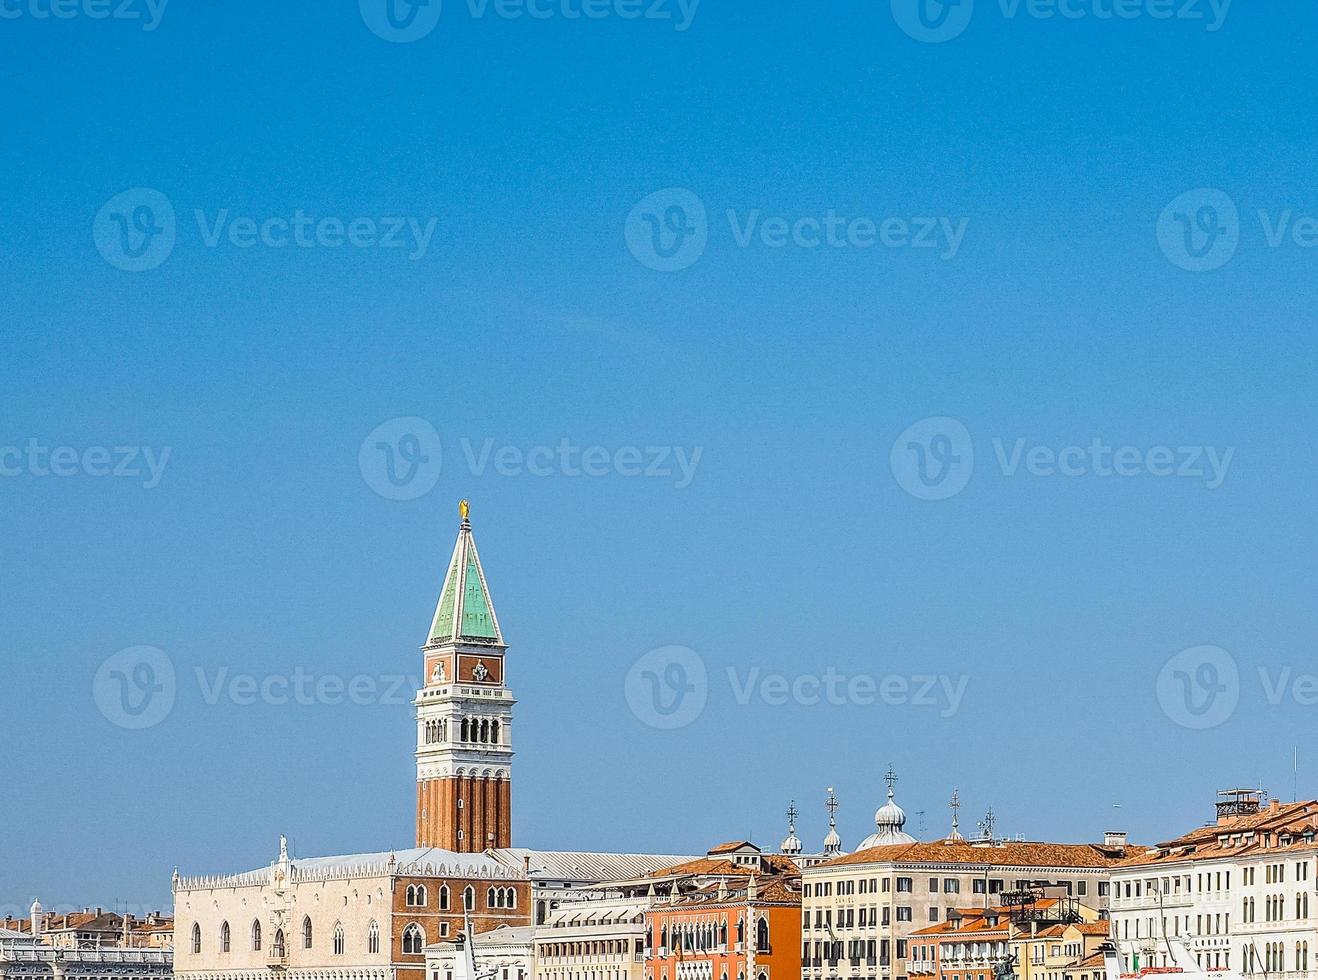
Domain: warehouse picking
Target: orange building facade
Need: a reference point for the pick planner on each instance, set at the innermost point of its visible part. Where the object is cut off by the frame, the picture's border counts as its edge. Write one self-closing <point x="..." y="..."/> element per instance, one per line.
<point x="737" y="931"/>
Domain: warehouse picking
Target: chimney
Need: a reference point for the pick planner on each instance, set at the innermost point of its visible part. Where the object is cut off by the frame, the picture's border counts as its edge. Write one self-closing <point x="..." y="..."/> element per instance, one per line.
<point x="1115" y="838"/>
<point x="1275" y="806"/>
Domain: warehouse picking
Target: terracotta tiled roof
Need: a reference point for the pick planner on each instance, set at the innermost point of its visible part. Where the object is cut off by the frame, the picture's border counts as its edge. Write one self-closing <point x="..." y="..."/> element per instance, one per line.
<point x="1007" y="854"/>
<point x="1238" y="835"/>
<point x="1094" y="928"/>
<point x="772" y="864"/>
<point x="730" y="846"/>
<point x="768" y="891"/>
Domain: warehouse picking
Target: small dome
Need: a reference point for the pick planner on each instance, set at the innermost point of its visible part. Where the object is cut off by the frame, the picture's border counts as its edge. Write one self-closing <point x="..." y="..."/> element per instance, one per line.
<point x="890" y="821"/>
<point x="792" y="844"/>
<point x="832" y="842"/>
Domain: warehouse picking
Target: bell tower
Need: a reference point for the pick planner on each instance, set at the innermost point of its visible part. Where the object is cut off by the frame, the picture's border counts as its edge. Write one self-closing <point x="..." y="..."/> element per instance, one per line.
<point x="464" y="715"/>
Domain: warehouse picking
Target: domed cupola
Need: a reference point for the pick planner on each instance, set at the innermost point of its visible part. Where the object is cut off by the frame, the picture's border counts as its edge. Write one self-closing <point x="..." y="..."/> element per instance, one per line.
<point x="791" y="845"/>
<point x="889" y="821"/>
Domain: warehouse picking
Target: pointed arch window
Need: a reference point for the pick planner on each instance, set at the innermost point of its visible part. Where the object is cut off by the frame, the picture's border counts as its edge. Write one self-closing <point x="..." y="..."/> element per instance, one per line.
<point x="469" y="899"/>
<point x="196" y="938"/>
<point x="339" y="940"/>
<point x="762" y="936"/>
<point x="443" y="898"/>
<point x="280" y="948"/>
<point x="414" y="940"/>
<point x="373" y="937"/>
<point x="256" y="935"/>
<point x="308" y="934"/>
<point x="226" y="938"/>
<point x="490" y="899"/>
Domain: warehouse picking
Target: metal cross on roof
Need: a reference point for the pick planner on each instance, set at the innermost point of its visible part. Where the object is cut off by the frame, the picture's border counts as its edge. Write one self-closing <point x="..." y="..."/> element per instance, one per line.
<point x="890" y="777"/>
<point x="792" y="815"/>
<point x="831" y="804"/>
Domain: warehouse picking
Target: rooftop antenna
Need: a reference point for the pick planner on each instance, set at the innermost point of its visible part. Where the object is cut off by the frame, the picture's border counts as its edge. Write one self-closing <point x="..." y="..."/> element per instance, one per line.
<point x="989" y="825"/>
<point x="921" y="815"/>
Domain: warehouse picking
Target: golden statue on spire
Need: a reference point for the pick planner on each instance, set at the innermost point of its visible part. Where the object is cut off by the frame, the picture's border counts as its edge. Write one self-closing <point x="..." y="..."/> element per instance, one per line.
<point x="464" y="508"/>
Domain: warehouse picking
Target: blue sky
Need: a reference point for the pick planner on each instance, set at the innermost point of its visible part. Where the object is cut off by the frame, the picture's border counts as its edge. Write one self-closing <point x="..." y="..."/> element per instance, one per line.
<point x="1055" y="604"/>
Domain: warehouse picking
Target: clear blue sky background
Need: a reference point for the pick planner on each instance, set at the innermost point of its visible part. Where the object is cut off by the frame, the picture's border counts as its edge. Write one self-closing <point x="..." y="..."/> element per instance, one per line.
<point x="793" y="549"/>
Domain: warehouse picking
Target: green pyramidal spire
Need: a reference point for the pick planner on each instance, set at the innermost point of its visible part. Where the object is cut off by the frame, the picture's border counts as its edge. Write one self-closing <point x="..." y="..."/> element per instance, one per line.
<point x="465" y="613"/>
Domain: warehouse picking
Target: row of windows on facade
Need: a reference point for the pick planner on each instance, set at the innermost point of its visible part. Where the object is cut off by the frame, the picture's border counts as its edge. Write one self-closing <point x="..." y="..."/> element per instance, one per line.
<point x="414" y="937"/>
<point x="278" y="947"/>
<point x="507" y="973"/>
<point x="417" y="897"/>
<point x="483" y="731"/>
<point x="976" y="951"/>
<point x="1274" y="908"/>
<point x="704" y="937"/>
<point x="602" y="947"/>
<point x="1214" y="924"/>
<point x="1212" y="881"/>
<point x="1272" y="958"/>
<point x="865" y="917"/>
<point x="834" y="951"/>
<point x="741" y="975"/>
<point x="563" y="974"/>
<point x="947" y="886"/>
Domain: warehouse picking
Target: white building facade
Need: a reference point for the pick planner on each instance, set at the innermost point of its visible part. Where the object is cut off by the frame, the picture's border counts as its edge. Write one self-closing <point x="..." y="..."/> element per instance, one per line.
<point x="1239" y="894"/>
